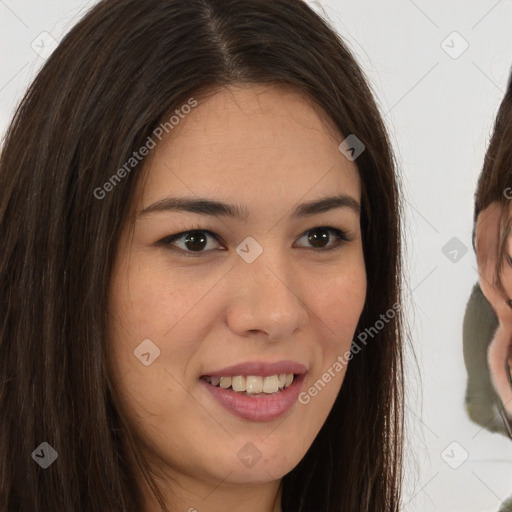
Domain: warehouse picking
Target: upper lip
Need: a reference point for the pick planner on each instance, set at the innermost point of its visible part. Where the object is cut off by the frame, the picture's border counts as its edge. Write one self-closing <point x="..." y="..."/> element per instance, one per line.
<point x="259" y="368"/>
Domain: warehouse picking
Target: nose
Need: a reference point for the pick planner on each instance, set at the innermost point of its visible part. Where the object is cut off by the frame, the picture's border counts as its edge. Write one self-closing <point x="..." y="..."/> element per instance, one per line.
<point x="266" y="298"/>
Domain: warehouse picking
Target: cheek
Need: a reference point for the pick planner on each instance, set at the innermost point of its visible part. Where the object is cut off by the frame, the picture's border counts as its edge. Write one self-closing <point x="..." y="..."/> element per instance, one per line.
<point x="507" y="263"/>
<point x="146" y="305"/>
<point x="155" y="302"/>
<point x="339" y="300"/>
<point x="337" y="304"/>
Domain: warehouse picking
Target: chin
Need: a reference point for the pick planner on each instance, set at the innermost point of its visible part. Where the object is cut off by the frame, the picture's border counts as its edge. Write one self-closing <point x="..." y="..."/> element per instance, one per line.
<point x="261" y="465"/>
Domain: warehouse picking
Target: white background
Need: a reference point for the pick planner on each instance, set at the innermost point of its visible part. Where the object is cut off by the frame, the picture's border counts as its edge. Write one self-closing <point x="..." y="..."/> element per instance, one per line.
<point x="439" y="111"/>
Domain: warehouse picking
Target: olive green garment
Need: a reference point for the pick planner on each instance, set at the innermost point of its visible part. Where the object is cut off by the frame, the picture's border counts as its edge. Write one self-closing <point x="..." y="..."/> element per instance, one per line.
<point x="481" y="401"/>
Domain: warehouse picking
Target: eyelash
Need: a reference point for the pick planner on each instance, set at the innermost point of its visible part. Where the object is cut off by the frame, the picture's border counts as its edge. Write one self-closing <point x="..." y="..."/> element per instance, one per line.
<point x="342" y="236"/>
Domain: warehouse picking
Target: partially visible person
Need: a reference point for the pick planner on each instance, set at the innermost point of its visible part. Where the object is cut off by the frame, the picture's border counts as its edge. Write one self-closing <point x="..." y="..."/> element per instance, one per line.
<point x="487" y="330"/>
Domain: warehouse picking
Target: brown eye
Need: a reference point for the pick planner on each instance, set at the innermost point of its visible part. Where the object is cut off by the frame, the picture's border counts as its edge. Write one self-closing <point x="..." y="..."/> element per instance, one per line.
<point x="320" y="237"/>
<point x="194" y="241"/>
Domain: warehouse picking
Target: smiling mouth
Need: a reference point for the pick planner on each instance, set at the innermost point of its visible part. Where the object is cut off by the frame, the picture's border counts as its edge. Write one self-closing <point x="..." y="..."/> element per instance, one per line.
<point x="253" y="385"/>
<point x="243" y="396"/>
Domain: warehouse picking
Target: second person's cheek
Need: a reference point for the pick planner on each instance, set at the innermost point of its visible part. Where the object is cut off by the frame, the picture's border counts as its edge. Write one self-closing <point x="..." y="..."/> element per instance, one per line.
<point x="508" y="253"/>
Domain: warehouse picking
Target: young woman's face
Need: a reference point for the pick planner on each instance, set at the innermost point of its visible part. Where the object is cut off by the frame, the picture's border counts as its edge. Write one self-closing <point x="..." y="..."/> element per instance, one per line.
<point x="262" y="289"/>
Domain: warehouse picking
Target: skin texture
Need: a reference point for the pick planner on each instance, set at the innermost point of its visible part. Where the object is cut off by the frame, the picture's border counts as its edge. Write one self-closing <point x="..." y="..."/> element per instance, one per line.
<point x="268" y="149"/>
<point x="487" y="230"/>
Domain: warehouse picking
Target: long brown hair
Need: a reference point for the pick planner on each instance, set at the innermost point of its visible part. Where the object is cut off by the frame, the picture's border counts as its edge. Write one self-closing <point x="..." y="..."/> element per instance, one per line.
<point x="102" y="92"/>
<point x="495" y="180"/>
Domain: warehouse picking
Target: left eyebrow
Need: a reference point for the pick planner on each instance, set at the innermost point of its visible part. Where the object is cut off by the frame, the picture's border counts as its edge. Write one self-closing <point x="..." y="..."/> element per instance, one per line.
<point x="209" y="207"/>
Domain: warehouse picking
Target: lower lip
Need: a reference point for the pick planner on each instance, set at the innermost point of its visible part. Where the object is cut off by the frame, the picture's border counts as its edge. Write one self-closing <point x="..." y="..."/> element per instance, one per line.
<point x="257" y="408"/>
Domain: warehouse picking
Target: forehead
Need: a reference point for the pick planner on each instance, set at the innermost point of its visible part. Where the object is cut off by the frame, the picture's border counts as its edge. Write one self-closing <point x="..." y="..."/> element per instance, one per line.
<point x="253" y="141"/>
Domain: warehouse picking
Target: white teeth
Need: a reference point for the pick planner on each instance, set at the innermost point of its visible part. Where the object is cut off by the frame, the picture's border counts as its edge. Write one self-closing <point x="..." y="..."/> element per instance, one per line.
<point x="225" y="382"/>
<point x="253" y="383"/>
<point x="271" y="384"/>
<point x="238" y="383"/>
